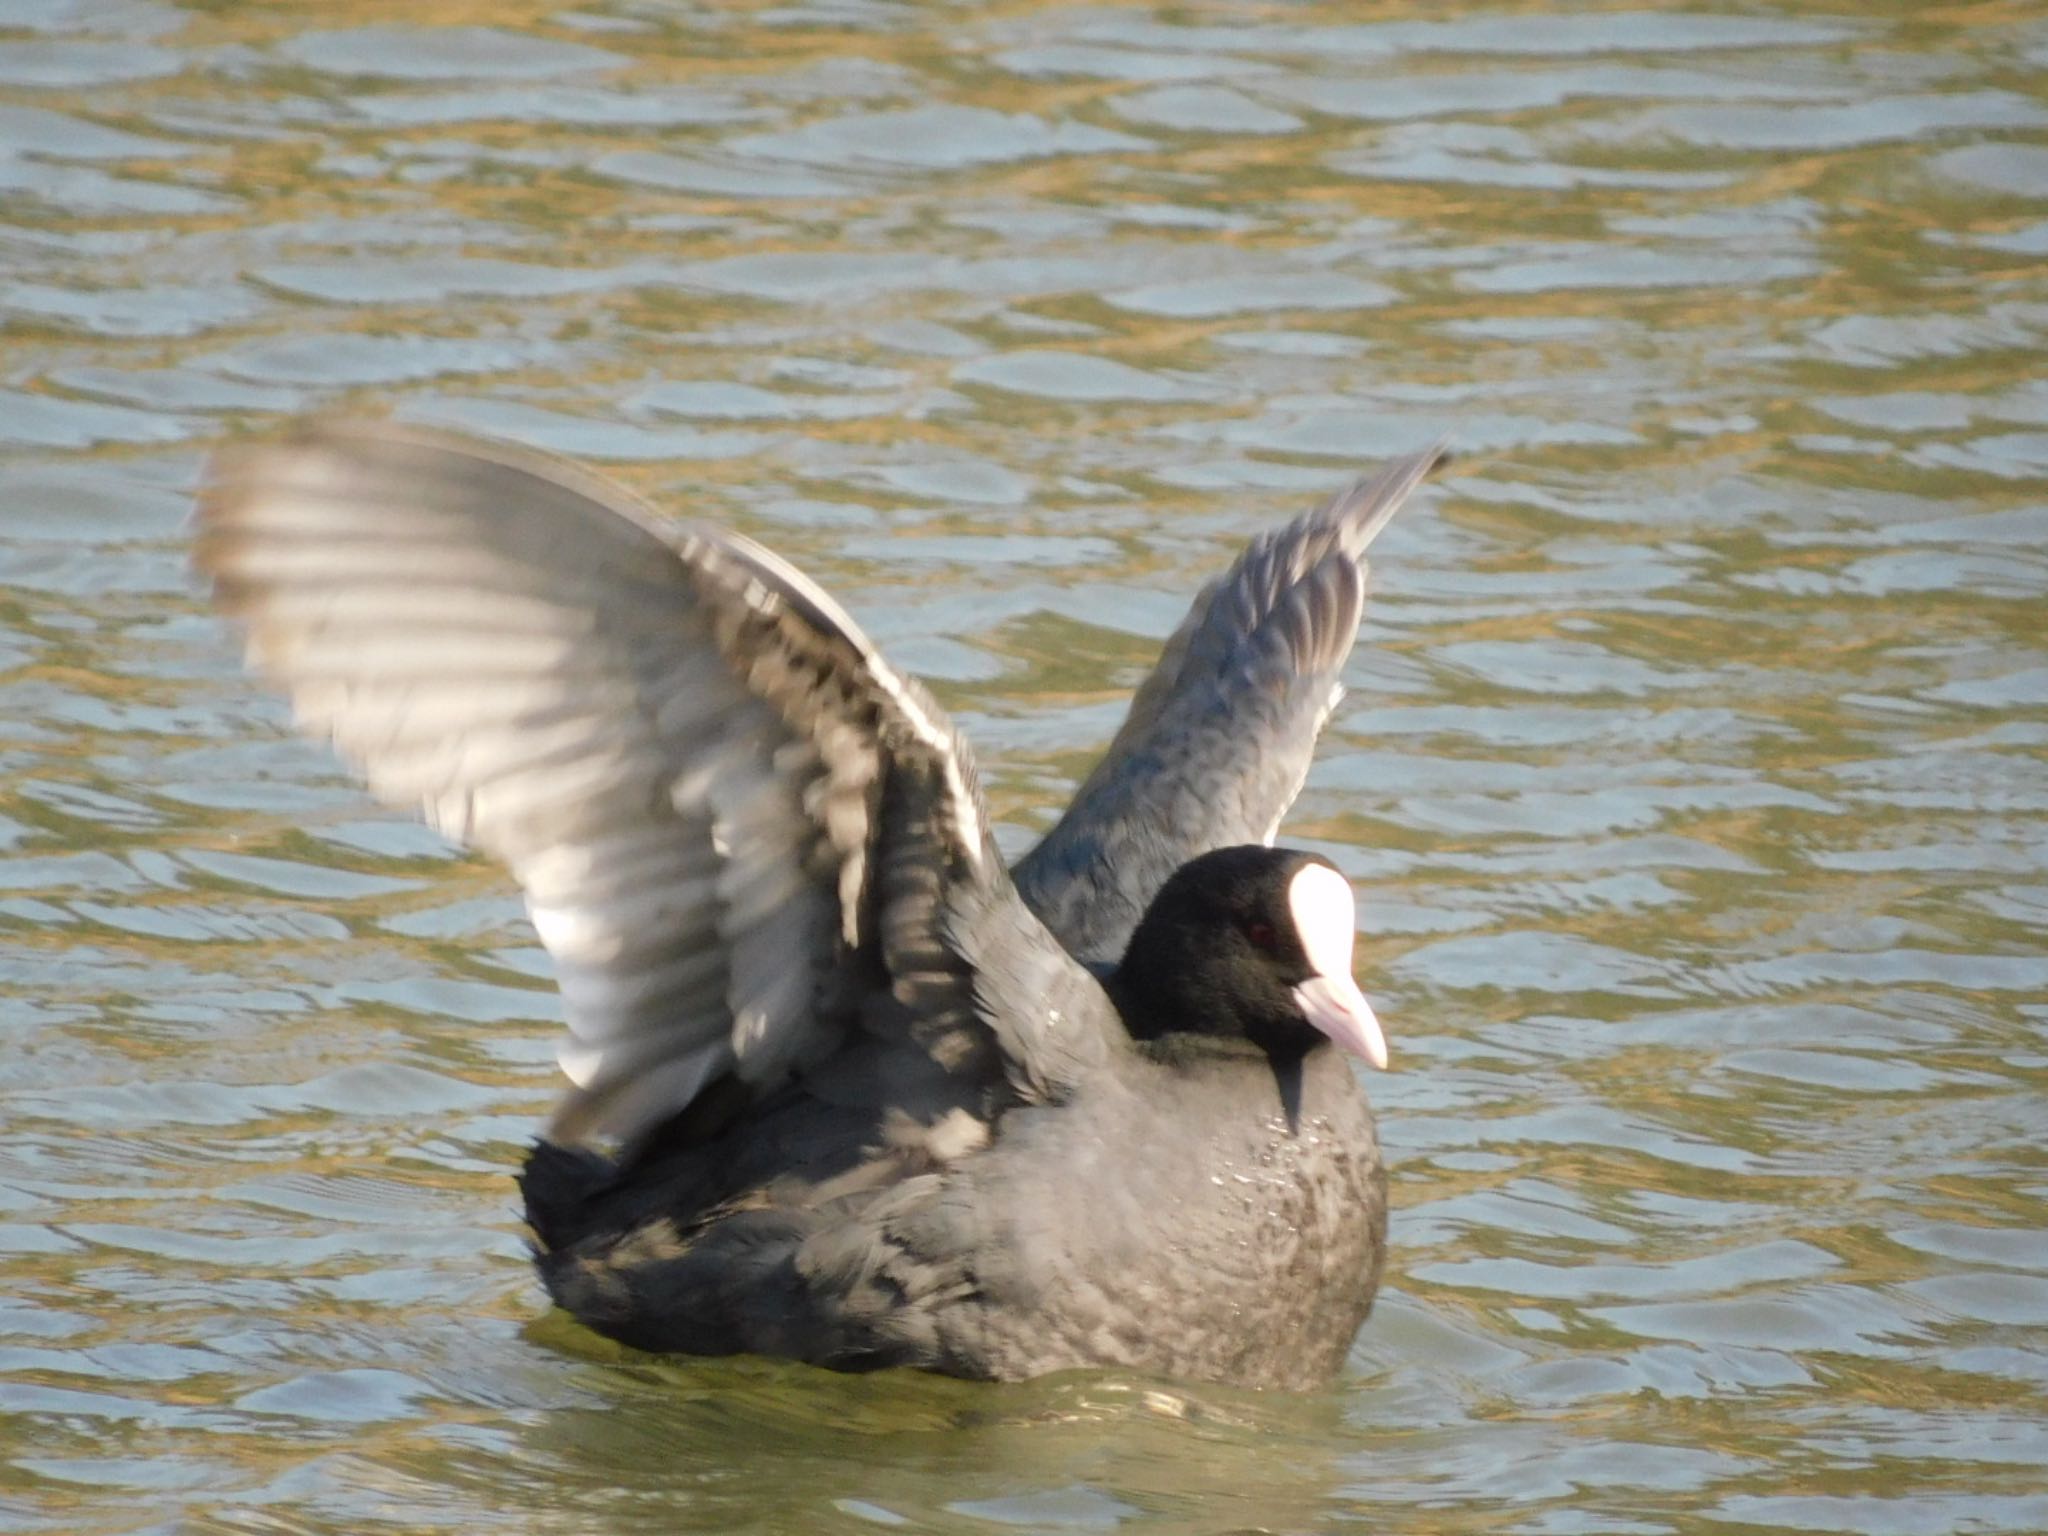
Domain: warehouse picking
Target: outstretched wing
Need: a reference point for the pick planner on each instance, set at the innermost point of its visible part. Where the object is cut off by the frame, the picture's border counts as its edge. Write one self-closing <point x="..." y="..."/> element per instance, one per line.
<point x="742" y="835"/>
<point x="1219" y="737"/>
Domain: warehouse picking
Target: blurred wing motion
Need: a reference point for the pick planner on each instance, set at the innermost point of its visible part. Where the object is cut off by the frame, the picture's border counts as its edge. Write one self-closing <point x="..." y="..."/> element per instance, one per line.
<point x="1219" y="737"/>
<point x="744" y="838"/>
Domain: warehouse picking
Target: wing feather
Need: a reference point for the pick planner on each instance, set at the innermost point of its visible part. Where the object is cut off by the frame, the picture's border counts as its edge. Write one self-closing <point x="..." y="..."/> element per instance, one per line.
<point x="728" y="813"/>
<point x="1219" y="736"/>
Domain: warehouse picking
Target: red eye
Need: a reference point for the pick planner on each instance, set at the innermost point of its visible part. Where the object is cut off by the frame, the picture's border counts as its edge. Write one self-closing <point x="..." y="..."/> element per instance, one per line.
<point x="1261" y="934"/>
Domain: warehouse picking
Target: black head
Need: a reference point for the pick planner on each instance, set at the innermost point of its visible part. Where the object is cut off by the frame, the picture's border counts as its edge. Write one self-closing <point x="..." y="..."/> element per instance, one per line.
<point x="1251" y="943"/>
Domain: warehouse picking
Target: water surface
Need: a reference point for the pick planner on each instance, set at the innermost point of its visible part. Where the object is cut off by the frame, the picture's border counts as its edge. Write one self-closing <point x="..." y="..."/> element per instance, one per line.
<point x="1693" y="767"/>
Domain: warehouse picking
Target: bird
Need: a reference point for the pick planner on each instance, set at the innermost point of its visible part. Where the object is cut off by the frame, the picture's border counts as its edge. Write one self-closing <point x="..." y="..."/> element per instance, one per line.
<point x="841" y="1086"/>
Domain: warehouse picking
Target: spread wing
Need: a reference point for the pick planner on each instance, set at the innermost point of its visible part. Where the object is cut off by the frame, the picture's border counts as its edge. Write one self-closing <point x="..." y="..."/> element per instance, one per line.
<point x="1219" y="737"/>
<point x="745" y="840"/>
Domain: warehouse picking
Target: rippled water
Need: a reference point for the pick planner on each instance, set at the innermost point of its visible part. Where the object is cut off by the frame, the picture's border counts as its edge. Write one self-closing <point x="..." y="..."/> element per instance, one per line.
<point x="1694" y="764"/>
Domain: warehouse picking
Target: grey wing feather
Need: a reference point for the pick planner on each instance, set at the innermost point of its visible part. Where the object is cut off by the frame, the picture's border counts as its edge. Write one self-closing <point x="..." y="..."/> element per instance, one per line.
<point x="726" y="810"/>
<point x="1219" y="736"/>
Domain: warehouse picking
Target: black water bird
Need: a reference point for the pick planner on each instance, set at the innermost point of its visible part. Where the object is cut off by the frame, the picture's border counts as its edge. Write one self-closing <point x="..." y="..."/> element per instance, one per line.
<point x="842" y="1086"/>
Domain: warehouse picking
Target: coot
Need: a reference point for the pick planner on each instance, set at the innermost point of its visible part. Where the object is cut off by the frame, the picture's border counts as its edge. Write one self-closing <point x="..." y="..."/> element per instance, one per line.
<point x="842" y="1087"/>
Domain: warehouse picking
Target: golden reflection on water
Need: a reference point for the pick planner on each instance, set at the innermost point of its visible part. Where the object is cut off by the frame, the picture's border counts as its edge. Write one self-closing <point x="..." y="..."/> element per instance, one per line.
<point x="1693" y="763"/>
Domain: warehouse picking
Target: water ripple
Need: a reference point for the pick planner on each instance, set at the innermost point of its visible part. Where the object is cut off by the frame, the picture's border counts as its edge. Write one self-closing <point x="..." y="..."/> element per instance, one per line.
<point x="1694" y="768"/>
